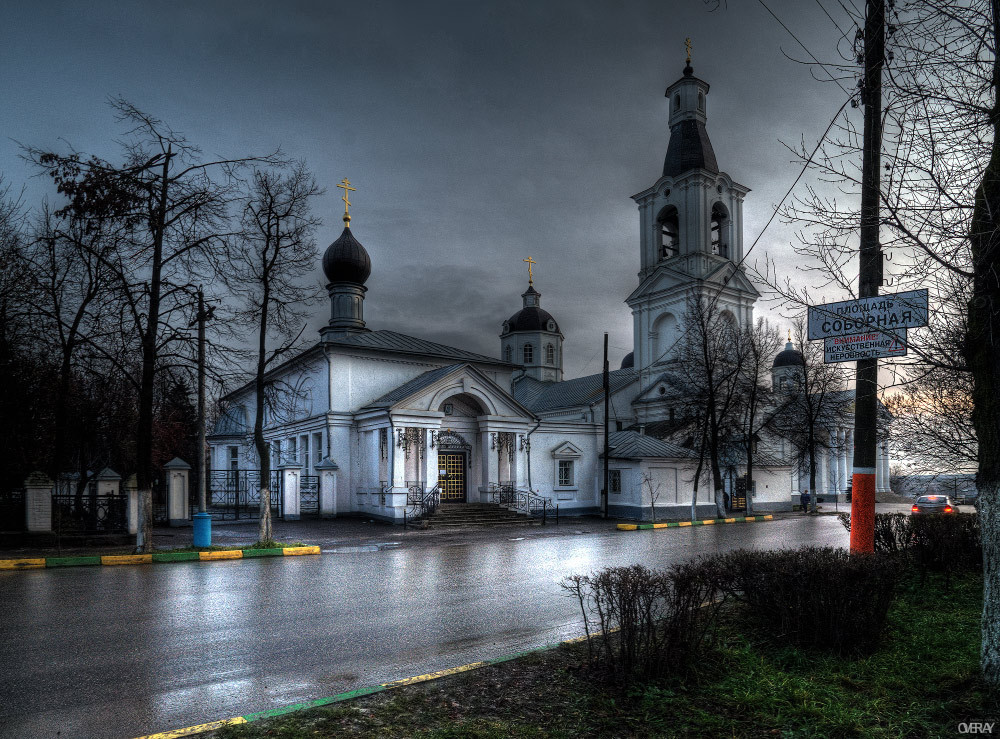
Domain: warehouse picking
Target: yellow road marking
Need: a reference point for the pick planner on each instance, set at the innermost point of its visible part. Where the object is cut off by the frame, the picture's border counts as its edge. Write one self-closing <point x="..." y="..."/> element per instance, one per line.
<point x="126" y="559"/>
<point x="708" y="521"/>
<point x="188" y="731"/>
<point x="627" y="526"/>
<point x="295" y="551"/>
<point x="683" y="523"/>
<point x="21" y="564"/>
<point x="730" y="520"/>
<point x="225" y="554"/>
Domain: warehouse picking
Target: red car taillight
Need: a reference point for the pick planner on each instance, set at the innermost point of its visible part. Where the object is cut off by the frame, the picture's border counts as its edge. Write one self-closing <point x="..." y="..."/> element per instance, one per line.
<point x="914" y="509"/>
<point x="949" y="509"/>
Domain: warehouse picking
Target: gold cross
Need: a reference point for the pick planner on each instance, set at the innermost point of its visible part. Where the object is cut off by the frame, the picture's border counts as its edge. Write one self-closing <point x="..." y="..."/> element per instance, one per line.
<point x="346" y="187"/>
<point x="530" y="262"/>
<point x="789" y="336"/>
<point x="687" y="45"/>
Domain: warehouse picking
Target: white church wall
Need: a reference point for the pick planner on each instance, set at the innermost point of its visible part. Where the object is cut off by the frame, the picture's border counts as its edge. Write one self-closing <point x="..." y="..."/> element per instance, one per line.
<point x="356" y="381"/>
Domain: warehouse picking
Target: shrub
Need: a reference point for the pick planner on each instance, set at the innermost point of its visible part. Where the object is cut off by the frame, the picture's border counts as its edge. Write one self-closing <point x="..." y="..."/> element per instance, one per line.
<point x="642" y="623"/>
<point x="816" y="597"/>
<point x="943" y="543"/>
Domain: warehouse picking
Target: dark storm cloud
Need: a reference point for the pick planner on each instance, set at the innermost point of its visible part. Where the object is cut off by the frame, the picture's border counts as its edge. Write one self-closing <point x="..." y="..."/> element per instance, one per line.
<point x="477" y="133"/>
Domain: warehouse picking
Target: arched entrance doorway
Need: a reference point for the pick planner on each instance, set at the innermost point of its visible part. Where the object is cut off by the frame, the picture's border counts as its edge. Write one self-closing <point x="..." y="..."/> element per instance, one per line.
<point x="454" y="459"/>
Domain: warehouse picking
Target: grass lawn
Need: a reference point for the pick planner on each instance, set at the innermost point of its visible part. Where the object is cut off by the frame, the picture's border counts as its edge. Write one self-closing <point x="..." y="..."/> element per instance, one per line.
<point x="922" y="682"/>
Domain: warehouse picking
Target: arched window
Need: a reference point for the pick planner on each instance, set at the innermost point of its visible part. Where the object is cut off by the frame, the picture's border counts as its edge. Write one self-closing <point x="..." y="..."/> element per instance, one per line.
<point x="550" y="354"/>
<point x="669" y="233"/>
<point x="701" y="101"/>
<point x="677" y="103"/>
<point x="529" y="354"/>
<point x="508" y="354"/>
<point x="720" y="228"/>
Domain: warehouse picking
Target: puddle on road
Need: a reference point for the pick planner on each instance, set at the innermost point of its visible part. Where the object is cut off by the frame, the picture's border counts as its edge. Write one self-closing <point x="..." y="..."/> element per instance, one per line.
<point x="353" y="549"/>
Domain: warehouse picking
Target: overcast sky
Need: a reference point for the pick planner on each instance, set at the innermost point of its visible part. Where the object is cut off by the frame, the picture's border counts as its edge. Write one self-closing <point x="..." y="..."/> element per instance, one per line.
<point x="476" y="133"/>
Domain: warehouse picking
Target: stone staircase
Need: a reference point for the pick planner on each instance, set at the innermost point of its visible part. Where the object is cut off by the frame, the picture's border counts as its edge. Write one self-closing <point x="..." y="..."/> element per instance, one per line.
<point x="479" y="515"/>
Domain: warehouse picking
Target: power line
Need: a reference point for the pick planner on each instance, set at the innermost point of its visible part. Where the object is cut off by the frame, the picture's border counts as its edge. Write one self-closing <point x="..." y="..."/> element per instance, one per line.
<point x="804" y="48"/>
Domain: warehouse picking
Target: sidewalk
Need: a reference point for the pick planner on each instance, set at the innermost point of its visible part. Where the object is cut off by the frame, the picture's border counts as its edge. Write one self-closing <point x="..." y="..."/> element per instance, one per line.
<point x="338" y="534"/>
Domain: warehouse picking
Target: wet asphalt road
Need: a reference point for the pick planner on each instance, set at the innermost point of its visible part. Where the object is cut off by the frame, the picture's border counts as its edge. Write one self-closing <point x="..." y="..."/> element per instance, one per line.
<point x="121" y="652"/>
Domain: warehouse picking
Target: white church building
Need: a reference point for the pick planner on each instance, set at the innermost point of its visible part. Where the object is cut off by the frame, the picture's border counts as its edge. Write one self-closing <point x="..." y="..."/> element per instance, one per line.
<point x="393" y="420"/>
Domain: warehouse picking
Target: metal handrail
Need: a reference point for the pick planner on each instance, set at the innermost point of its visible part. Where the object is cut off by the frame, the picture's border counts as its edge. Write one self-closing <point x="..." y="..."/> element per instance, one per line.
<point x="420" y="503"/>
<point x="522" y="500"/>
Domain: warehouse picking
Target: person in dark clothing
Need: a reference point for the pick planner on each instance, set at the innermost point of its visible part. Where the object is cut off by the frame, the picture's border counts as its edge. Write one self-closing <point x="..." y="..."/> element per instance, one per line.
<point x="804" y="499"/>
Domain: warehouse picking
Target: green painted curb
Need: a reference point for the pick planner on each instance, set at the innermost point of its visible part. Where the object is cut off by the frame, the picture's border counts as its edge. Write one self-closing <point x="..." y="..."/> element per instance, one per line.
<point x="175" y="556"/>
<point x="274" y="712"/>
<point x="71" y="561"/>
<point x="644" y="526"/>
<point x="263" y="553"/>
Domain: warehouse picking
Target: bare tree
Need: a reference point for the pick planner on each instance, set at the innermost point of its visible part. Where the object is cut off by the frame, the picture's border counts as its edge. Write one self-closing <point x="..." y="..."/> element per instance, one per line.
<point x="273" y="253"/>
<point x="813" y="404"/>
<point x="707" y="383"/>
<point x="653" y="490"/>
<point x="176" y="209"/>
<point x="760" y="406"/>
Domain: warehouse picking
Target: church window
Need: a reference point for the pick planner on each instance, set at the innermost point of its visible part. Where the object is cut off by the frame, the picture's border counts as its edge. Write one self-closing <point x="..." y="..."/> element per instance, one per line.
<point x="293" y="452"/>
<point x="234" y="457"/>
<point x="317" y="449"/>
<point x="720" y="224"/>
<point x="615" y="482"/>
<point x="701" y="101"/>
<point x="551" y="325"/>
<point x="508" y="354"/>
<point x="550" y="354"/>
<point x="669" y="233"/>
<point x="529" y="354"/>
<point x="449" y="409"/>
<point x="565" y="473"/>
<point x="677" y="103"/>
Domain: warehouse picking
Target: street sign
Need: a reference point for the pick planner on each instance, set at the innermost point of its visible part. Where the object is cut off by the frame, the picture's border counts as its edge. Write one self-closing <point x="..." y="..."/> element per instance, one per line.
<point x="870" y="345"/>
<point x="881" y="313"/>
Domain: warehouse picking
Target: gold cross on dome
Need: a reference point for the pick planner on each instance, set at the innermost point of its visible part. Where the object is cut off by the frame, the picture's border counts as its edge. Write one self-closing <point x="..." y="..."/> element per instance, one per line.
<point x="687" y="45"/>
<point x="530" y="262"/>
<point x="346" y="187"/>
<point x="789" y="336"/>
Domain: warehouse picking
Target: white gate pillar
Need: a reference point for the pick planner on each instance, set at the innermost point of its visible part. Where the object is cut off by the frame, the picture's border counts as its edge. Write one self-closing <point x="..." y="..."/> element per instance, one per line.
<point x="327" y="471"/>
<point x="290" y="474"/>
<point x="38" y="502"/>
<point x="178" y="473"/>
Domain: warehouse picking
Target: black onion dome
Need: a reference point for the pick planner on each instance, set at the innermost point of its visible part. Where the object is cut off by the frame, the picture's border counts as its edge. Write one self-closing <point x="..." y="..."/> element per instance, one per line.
<point x="531" y="319"/>
<point x="789" y="358"/>
<point x="346" y="260"/>
<point x="628" y="362"/>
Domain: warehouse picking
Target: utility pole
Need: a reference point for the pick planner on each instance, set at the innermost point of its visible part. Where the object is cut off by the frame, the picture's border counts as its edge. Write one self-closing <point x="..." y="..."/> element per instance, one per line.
<point x="202" y="521"/>
<point x="607" y="447"/>
<point x="870" y="279"/>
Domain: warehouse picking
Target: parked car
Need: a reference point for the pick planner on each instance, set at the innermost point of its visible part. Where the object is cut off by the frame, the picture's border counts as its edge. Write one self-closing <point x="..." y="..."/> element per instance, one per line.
<point x="933" y="504"/>
<point x="966" y="499"/>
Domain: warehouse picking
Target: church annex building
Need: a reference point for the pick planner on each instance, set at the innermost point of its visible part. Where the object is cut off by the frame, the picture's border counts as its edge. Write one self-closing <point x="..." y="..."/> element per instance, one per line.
<point x="391" y="418"/>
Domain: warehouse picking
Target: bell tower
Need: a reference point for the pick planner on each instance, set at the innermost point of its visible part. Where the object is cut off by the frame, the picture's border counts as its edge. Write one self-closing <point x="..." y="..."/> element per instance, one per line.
<point x="691" y="234"/>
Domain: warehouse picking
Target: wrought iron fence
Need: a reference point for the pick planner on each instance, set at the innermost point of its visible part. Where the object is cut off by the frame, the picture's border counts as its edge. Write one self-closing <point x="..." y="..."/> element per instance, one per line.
<point x="236" y="494"/>
<point x="89" y="513"/>
<point x="12" y="510"/>
<point x="523" y="501"/>
<point x="420" y="503"/>
<point x="309" y="494"/>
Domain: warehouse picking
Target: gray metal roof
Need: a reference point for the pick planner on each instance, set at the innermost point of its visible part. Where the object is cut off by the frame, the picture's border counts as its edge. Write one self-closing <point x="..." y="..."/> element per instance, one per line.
<point x="633" y="445"/>
<point x="231" y="423"/>
<point x="569" y="393"/>
<point x="403" y="344"/>
<point x="415" y="385"/>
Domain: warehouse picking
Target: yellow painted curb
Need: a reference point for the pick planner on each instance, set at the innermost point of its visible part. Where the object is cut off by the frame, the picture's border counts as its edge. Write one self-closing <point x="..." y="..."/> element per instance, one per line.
<point x="295" y="551"/>
<point x="730" y="520"/>
<point x="189" y="730"/>
<point x="225" y="554"/>
<point x="708" y="521"/>
<point x="627" y="527"/>
<point x="126" y="559"/>
<point x="434" y="675"/>
<point x="659" y="526"/>
<point x="768" y="517"/>
<point x="22" y="564"/>
<point x="683" y="523"/>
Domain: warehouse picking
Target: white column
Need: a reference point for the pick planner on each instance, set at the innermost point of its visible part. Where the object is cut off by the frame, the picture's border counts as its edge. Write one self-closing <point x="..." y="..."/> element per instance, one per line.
<point x="885" y="465"/>
<point x="491" y="462"/>
<point x="398" y="460"/>
<point x="429" y="468"/>
<point x="38" y="502"/>
<point x="290" y="474"/>
<point x="879" y="484"/>
<point x="841" y="461"/>
<point x="822" y="468"/>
